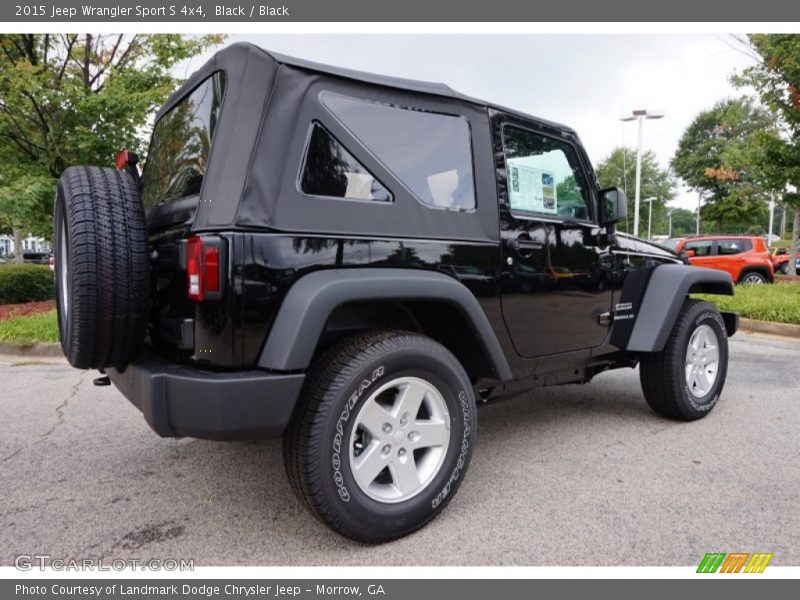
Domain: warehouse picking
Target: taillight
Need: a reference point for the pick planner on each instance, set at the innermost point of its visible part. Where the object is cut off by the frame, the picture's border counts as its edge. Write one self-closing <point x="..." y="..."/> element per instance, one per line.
<point x="194" y="268"/>
<point x="204" y="265"/>
<point x="211" y="273"/>
<point x="121" y="161"/>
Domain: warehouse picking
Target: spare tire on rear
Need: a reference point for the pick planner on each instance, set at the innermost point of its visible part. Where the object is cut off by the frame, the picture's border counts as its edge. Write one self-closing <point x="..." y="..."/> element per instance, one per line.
<point x="101" y="267"/>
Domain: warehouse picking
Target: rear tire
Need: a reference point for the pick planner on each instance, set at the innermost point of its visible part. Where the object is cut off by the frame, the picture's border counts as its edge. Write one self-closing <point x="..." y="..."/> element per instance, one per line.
<point x="753" y="278"/>
<point x="101" y="267"/>
<point x="360" y="455"/>
<point x="683" y="381"/>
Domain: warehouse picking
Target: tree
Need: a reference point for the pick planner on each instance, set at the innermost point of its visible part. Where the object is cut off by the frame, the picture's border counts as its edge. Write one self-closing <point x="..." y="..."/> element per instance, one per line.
<point x="75" y="99"/>
<point x="714" y="158"/>
<point x="683" y="222"/>
<point x="618" y="169"/>
<point x="776" y="79"/>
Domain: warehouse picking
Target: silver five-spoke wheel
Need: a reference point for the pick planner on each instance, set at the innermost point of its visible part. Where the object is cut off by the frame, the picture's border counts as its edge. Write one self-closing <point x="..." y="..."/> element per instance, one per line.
<point x="702" y="361"/>
<point x="753" y="279"/>
<point x="399" y="439"/>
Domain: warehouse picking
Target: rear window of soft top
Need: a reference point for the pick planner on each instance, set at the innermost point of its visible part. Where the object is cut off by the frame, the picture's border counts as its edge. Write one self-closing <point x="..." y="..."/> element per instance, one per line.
<point x="181" y="144"/>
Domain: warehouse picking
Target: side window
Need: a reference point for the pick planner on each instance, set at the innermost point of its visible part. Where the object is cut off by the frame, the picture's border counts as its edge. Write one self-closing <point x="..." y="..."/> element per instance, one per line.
<point x="430" y="153"/>
<point x="330" y="170"/>
<point x="544" y="176"/>
<point x="181" y="144"/>
<point x="700" y="247"/>
<point x="728" y="247"/>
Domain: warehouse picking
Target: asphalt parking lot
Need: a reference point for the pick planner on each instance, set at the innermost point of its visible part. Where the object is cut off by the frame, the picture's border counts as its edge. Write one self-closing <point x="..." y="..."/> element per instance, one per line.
<point x="577" y="475"/>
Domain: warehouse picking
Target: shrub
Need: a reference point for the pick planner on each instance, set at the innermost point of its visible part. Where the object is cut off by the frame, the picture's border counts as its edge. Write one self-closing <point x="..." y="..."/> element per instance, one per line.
<point x="25" y="283"/>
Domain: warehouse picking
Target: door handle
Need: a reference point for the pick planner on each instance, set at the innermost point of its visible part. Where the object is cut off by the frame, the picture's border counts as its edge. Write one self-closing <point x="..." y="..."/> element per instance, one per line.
<point x="526" y="244"/>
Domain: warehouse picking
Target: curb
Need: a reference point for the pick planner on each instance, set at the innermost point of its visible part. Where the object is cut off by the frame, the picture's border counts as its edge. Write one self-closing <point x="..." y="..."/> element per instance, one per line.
<point x="39" y="350"/>
<point x="781" y="329"/>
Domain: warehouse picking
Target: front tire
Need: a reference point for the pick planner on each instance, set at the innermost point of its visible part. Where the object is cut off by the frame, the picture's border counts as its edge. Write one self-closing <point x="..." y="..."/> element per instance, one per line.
<point x="685" y="379"/>
<point x="382" y="436"/>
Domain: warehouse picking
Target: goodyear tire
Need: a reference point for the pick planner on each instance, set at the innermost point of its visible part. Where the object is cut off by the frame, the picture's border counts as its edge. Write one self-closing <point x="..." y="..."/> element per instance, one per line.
<point x="101" y="267"/>
<point x="382" y="436"/>
<point x="685" y="379"/>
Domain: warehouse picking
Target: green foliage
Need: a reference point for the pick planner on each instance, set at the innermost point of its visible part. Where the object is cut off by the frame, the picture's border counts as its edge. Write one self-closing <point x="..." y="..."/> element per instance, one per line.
<point x="26" y="200"/>
<point x="776" y="79"/>
<point x="69" y="99"/>
<point x="719" y="156"/>
<point x="683" y="222"/>
<point x="779" y="303"/>
<point x="25" y="283"/>
<point x="618" y="169"/>
<point x="31" y="329"/>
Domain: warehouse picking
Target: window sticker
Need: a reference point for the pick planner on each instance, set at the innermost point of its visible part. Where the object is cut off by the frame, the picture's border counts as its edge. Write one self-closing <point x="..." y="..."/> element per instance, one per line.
<point x="531" y="189"/>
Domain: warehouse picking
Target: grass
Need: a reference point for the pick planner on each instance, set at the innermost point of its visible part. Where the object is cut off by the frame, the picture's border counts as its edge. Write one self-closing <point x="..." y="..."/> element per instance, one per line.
<point x="777" y="303"/>
<point x="31" y="329"/>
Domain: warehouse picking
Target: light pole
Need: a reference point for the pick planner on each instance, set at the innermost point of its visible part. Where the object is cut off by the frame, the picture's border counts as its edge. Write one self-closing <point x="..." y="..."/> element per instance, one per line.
<point x="771" y="218"/>
<point x="640" y="114"/>
<point x="650" y="216"/>
<point x="669" y="216"/>
<point x="699" y="203"/>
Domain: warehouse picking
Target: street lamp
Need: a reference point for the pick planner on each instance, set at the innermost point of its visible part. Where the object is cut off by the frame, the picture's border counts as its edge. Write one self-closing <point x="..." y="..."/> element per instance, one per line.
<point x="699" y="205"/>
<point x="650" y="216"/>
<point x="640" y="114"/>
<point x="771" y="218"/>
<point x="669" y="216"/>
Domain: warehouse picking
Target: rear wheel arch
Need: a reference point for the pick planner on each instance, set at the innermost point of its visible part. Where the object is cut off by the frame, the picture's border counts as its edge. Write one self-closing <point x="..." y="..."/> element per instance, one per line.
<point x="437" y="319"/>
<point x="763" y="271"/>
<point x="422" y="301"/>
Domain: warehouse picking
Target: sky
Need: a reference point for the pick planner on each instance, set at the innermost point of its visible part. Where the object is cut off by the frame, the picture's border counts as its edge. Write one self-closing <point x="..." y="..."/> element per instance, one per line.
<point x="584" y="81"/>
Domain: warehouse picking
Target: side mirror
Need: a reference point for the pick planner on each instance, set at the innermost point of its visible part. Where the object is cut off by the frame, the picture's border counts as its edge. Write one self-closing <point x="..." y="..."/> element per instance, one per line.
<point x="690" y="253"/>
<point x="613" y="206"/>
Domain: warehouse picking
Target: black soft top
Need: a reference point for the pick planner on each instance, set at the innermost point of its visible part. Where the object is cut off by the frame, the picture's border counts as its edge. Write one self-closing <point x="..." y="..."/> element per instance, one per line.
<point x="270" y="100"/>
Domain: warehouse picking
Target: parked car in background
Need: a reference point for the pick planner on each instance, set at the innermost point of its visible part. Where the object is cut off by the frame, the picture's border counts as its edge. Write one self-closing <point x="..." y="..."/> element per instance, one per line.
<point x="780" y="260"/>
<point x="37" y="258"/>
<point x="745" y="257"/>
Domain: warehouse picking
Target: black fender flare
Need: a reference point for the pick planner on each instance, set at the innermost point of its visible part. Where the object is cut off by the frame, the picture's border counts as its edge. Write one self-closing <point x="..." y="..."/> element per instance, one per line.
<point x="310" y="301"/>
<point x="666" y="289"/>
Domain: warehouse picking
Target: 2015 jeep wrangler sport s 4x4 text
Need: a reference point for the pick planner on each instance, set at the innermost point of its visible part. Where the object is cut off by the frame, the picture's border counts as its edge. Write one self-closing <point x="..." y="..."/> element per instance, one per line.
<point x="351" y="261"/>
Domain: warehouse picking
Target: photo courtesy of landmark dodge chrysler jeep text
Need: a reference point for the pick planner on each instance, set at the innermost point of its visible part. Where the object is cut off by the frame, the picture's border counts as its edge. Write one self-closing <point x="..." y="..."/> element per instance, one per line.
<point x="351" y="261"/>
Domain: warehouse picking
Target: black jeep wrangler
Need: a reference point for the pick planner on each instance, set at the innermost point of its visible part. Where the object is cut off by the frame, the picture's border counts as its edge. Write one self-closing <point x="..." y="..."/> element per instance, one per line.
<point x="353" y="261"/>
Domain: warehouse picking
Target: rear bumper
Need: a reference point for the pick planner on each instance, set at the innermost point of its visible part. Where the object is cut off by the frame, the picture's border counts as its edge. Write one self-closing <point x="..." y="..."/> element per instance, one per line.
<point x="181" y="401"/>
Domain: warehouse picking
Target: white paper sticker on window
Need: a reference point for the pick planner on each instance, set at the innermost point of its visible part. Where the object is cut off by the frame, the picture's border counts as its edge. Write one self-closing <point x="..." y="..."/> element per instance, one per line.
<point x="531" y="189"/>
<point x="359" y="185"/>
<point x="443" y="187"/>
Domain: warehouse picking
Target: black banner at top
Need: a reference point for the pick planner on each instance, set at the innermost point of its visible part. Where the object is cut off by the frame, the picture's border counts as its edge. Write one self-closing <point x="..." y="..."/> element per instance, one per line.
<point x="144" y="11"/>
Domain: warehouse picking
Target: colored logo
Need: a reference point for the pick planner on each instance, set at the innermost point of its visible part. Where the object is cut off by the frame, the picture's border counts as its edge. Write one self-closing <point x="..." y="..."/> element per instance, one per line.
<point x="735" y="562"/>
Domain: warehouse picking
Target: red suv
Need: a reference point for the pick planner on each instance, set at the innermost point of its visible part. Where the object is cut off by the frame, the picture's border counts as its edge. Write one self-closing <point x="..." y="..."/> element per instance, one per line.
<point x="745" y="257"/>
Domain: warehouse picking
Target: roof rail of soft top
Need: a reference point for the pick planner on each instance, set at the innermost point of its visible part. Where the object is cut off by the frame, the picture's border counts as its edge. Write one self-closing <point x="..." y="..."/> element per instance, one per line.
<point x="244" y="50"/>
